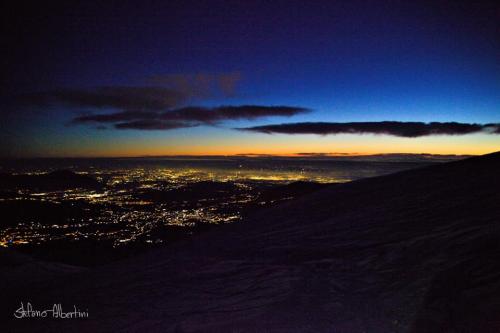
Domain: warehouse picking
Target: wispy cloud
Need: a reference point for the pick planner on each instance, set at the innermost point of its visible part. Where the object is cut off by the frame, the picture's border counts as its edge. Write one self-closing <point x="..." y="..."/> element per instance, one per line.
<point x="152" y="125"/>
<point x="394" y="128"/>
<point x="162" y="106"/>
<point x="159" y="93"/>
<point x="186" y="117"/>
<point x="200" y="85"/>
<point x="117" y="97"/>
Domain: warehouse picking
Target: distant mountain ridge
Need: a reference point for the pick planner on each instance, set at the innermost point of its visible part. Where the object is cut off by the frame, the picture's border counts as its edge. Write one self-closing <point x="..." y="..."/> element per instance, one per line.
<point x="52" y="181"/>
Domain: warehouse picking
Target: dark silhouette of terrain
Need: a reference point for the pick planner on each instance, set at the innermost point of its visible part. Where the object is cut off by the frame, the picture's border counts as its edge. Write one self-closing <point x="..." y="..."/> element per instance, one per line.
<point x="203" y="190"/>
<point x="91" y="252"/>
<point x="53" y="181"/>
<point x="415" y="251"/>
<point x="289" y="191"/>
<point x="45" y="212"/>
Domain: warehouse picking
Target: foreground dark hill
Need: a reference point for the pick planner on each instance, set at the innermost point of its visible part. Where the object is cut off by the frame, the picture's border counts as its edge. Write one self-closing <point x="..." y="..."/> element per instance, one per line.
<point x="416" y="251"/>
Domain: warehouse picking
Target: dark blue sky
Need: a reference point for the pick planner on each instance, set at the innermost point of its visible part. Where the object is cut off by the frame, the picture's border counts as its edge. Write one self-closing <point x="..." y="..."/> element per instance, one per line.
<point x="346" y="60"/>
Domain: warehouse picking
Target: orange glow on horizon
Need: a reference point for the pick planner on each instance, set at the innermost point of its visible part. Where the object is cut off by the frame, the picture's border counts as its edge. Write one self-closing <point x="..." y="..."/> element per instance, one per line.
<point x="253" y="145"/>
<point x="289" y="152"/>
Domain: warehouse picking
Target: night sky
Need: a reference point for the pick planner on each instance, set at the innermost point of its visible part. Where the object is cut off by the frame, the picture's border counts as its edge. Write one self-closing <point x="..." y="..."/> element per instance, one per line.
<point x="239" y="77"/>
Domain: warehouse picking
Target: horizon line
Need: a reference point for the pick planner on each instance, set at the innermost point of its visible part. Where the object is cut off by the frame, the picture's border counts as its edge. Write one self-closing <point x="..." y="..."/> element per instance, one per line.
<point x="248" y="155"/>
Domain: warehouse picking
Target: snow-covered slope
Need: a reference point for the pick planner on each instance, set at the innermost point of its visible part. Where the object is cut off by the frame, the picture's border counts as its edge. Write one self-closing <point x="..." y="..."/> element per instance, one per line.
<point x="416" y="251"/>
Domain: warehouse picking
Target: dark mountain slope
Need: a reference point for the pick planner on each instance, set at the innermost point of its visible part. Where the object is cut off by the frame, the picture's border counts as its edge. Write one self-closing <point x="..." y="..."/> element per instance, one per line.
<point x="415" y="251"/>
<point x="293" y="190"/>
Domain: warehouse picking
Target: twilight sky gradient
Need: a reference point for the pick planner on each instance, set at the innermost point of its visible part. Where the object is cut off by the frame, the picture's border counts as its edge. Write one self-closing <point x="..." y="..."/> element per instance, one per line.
<point x="164" y="78"/>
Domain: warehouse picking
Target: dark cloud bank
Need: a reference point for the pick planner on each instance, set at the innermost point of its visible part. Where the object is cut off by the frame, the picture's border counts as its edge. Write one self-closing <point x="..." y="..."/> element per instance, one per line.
<point x="162" y="92"/>
<point x="394" y="128"/>
<point x="185" y="117"/>
<point x="163" y="107"/>
<point x="118" y="97"/>
<point x="158" y="107"/>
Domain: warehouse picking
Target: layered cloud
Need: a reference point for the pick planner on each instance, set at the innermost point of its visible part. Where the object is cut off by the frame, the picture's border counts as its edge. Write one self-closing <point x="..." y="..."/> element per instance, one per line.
<point x="161" y="105"/>
<point x="164" y="105"/>
<point x="152" y="125"/>
<point x="161" y="93"/>
<point x="393" y="128"/>
<point x="185" y="117"/>
<point x="201" y="84"/>
<point x="116" y="97"/>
